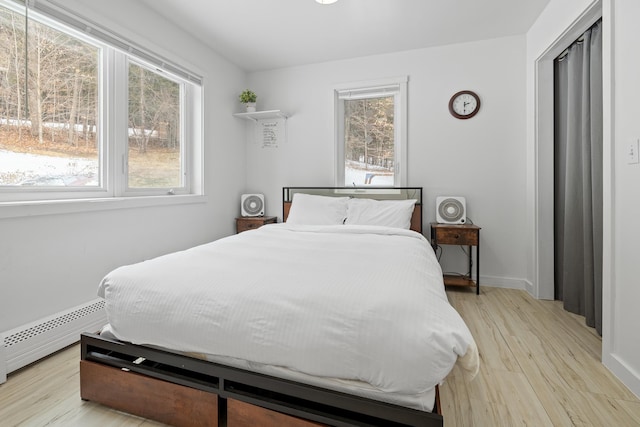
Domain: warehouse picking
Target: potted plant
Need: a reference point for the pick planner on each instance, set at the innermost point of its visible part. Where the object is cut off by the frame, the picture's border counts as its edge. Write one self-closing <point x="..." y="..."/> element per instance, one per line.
<point x="248" y="98"/>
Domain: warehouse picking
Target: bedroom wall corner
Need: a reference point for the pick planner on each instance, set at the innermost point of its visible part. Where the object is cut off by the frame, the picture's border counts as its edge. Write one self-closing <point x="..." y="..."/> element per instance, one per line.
<point x="621" y="348"/>
<point x="50" y="263"/>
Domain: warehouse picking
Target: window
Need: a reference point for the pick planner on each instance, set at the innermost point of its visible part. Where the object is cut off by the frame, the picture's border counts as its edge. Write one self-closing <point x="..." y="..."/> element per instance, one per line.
<point x="154" y="149"/>
<point x="371" y="134"/>
<point x="86" y="116"/>
<point x="50" y="100"/>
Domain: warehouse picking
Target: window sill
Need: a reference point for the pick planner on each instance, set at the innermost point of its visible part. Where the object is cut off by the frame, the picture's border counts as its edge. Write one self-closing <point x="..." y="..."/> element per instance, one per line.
<point x="56" y="207"/>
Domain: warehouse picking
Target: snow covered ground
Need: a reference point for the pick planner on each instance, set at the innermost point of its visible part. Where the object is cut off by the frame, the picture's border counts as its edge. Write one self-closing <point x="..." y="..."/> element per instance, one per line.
<point x="361" y="177"/>
<point x="31" y="169"/>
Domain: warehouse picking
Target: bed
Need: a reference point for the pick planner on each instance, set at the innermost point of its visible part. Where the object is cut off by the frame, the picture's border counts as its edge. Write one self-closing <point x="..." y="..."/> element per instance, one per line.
<point x="337" y="316"/>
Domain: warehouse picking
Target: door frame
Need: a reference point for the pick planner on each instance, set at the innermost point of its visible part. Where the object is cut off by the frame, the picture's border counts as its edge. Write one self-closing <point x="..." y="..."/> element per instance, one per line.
<point x="544" y="151"/>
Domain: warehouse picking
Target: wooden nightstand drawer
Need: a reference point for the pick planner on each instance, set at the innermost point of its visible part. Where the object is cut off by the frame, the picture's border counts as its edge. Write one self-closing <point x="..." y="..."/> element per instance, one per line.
<point x="251" y="223"/>
<point x="457" y="236"/>
<point x="463" y="235"/>
<point x="247" y="225"/>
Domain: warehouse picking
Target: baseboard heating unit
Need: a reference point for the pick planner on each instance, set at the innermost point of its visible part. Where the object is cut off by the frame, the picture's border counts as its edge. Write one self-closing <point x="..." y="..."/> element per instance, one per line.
<point x="31" y="342"/>
<point x="3" y="364"/>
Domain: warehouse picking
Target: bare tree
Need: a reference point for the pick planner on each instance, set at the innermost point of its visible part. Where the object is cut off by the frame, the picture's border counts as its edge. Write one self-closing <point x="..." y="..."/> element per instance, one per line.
<point x="369" y="131"/>
<point x="154" y="103"/>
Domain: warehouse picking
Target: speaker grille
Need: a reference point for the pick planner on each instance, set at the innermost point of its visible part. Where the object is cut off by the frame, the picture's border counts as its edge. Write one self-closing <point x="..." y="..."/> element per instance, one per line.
<point x="451" y="210"/>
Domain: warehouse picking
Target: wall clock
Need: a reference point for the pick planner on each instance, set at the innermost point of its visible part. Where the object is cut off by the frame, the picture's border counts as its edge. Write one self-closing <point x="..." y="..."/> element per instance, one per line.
<point x="464" y="104"/>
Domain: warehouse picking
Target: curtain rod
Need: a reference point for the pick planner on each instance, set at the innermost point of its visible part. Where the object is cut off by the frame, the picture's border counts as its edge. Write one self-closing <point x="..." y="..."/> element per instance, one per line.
<point x="578" y="41"/>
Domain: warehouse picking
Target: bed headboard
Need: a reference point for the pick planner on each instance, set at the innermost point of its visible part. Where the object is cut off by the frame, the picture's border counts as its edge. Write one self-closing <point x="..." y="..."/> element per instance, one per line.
<point x="376" y="193"/>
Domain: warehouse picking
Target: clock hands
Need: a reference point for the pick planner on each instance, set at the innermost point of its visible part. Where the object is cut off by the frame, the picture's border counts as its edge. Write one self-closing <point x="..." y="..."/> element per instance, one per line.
<point x="464" y="104"/>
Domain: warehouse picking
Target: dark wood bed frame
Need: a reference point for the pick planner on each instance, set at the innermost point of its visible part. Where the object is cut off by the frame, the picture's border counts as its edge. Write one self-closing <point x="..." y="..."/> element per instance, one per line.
<point x="183" y="390"/>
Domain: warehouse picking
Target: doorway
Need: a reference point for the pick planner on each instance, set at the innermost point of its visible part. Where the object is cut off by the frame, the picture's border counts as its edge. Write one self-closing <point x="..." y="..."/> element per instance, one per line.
<point x="578" y="178"/>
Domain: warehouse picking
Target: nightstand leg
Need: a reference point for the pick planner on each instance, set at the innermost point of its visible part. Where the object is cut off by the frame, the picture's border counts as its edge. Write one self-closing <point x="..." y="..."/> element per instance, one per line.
<point x="478" y="269"/>
<point x="470" y="262"/>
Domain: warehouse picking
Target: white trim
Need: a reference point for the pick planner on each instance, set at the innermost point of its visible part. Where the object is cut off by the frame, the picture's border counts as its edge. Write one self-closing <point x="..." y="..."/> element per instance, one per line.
<point x="396" y="86"/>
<point x="56" y="207"/>
<point x="625" y="373"/>
<point x="401" y="149"/>
<point x="631" y="380"/>
<point x="370" y="84"/>
<point x="543" y="280"/>
<point x="369" y="92"/>
<point x="504" y="282"/>
<point x="338" y="109"/>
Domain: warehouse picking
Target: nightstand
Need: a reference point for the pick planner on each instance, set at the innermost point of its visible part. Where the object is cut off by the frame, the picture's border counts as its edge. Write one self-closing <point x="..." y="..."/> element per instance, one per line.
<point x="459" y="234"/>
<point x="245" y="223"/>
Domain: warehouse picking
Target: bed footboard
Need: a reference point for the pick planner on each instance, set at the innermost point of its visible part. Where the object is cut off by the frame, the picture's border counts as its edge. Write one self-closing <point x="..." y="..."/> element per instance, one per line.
<point x="178" y="390"/>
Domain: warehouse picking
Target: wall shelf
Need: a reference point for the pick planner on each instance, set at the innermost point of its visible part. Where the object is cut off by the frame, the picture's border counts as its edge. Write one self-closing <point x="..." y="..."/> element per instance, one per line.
<point x="270" y="126"/>
<point x="260" y="115"/>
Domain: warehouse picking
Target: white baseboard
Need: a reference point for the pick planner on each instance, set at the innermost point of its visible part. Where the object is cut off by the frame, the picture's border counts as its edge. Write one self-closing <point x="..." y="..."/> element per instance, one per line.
<point x="29" y="343"/>
<point x="503" y="282"/>
<point x="623" y="372"/>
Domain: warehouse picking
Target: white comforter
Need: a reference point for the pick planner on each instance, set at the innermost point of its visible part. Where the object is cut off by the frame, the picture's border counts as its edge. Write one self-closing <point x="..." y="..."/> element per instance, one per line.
<point x="349" y="302"/>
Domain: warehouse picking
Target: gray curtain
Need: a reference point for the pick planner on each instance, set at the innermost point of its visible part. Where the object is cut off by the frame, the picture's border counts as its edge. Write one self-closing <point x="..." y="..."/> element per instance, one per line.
<point x="578" y="177"/>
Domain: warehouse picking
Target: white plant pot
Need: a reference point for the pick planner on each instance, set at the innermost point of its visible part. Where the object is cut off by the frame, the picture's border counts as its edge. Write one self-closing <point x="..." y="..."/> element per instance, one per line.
<point x="251" y="107"/>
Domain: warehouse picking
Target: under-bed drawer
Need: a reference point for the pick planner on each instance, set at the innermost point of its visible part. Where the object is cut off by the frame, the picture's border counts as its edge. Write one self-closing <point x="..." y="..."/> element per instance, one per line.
<point x="241" y="414"/>
<point x="147" y="397"/>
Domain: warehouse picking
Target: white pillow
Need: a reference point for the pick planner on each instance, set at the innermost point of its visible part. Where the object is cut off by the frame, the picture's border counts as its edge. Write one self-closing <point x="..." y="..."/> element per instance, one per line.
<point x="307" y="209"/>
<point x="388" y="213"/>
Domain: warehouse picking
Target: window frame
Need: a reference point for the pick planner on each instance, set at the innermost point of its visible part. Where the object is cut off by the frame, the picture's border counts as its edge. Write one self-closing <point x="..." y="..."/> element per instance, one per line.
<point x="112" y="132"/>
<point x="185" y="154"/>
<point x="396" y="86"/>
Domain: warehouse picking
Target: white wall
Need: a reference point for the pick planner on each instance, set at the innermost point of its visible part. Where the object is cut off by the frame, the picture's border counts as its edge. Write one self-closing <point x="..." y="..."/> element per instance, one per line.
<point x="623" y="348"/>
<point x="482" y="158"/>
<point x="559" y="23"/>
<point x="54" y="262"/>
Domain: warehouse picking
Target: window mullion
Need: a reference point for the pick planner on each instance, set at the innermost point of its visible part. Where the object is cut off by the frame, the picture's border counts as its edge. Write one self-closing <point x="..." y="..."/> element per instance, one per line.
<point x="103" y="114"/>
<point x="339" y="139"/>
<point x="185" y="113"/>
<point x="118" y="125"/>
<point x="401" y="136"/>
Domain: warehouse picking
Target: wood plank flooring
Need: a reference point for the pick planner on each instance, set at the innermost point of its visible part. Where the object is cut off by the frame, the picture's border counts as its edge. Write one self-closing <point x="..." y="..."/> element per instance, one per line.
<point x="540" y="366"/>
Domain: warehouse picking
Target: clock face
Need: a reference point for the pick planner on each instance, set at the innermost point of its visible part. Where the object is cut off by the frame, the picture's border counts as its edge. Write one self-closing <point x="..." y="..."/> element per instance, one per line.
<point x="464" y="104"/>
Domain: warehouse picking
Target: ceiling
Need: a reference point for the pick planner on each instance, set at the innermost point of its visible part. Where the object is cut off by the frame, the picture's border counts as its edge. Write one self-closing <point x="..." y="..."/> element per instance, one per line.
<point x="268" y="34"/>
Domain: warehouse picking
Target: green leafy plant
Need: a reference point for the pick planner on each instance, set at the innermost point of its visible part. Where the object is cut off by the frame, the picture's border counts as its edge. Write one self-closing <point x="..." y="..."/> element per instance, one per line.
<point x="248" y="96"/>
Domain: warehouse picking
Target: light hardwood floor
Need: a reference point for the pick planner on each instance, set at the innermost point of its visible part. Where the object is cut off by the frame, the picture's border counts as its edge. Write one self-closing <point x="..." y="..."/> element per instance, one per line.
<point x="540" y="366"/>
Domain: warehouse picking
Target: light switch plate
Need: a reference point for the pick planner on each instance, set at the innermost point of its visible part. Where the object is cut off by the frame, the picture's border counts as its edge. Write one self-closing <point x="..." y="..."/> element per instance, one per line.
<point x="632" y="153"/>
